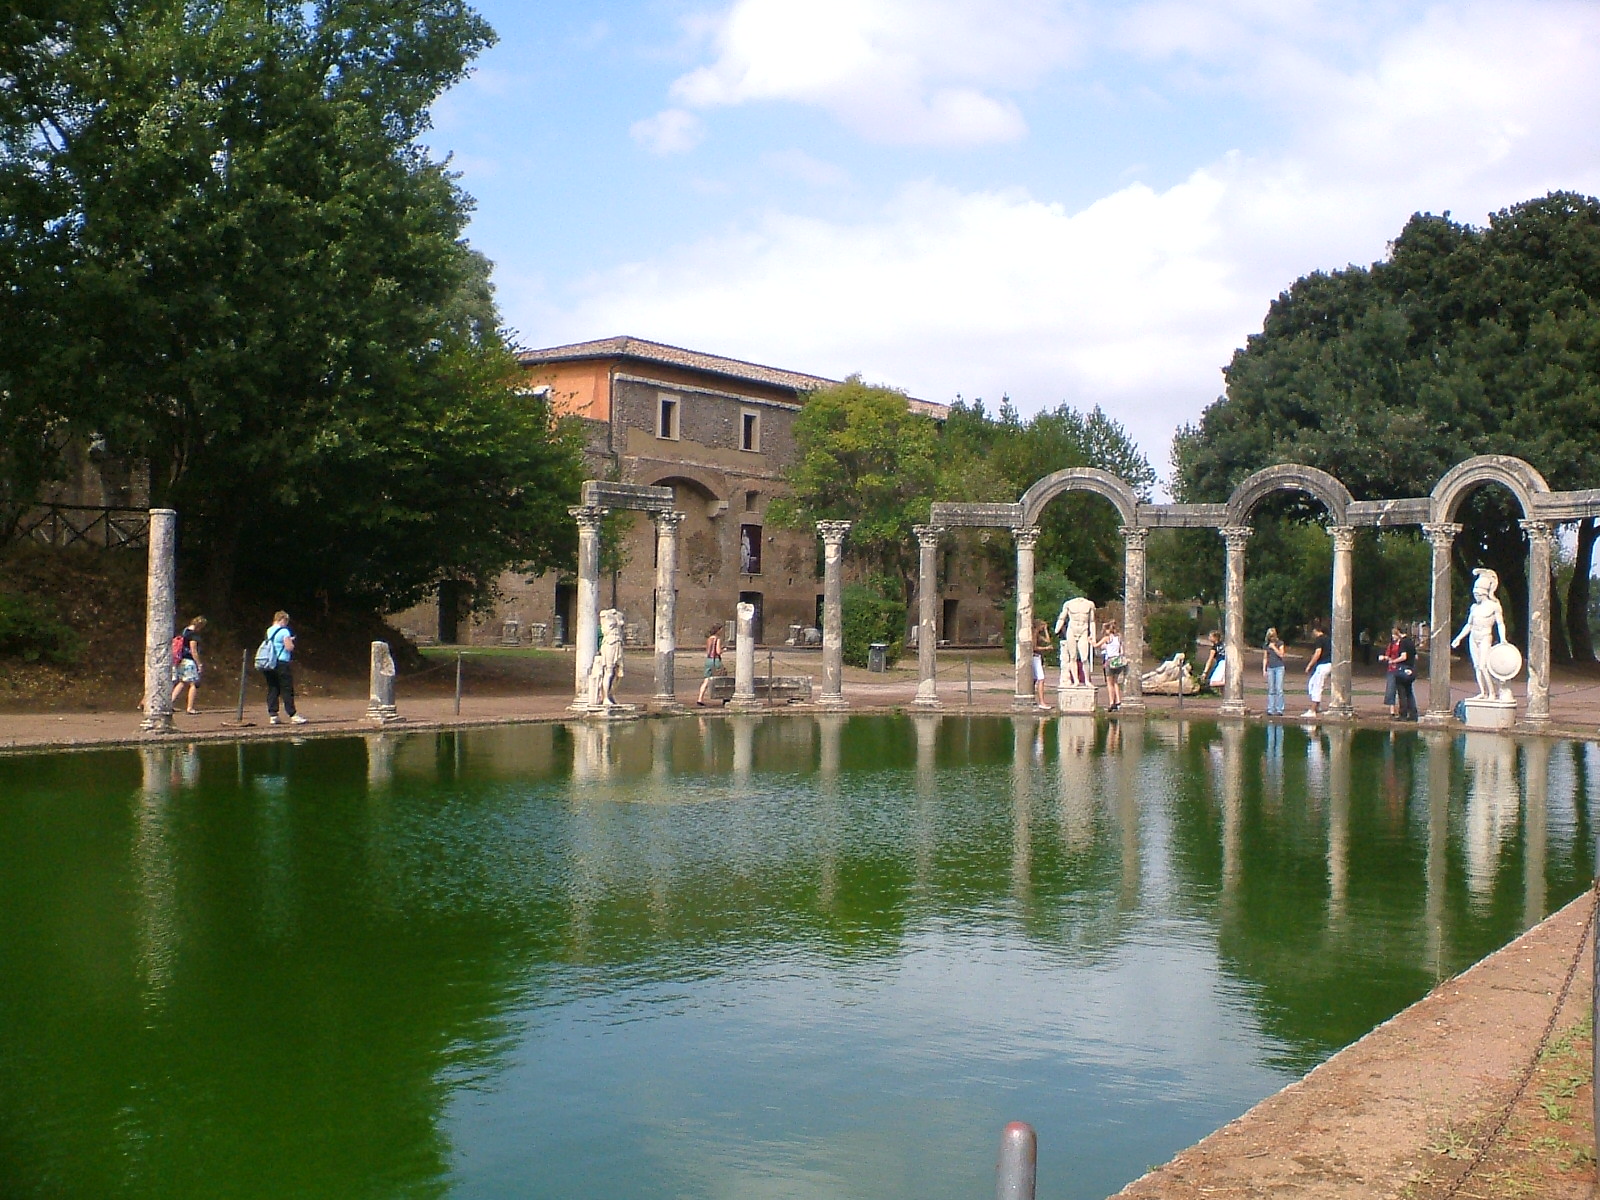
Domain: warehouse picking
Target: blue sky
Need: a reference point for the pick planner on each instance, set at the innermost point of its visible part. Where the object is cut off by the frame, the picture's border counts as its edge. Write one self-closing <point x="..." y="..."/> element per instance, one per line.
<point x="1053" y="201"/>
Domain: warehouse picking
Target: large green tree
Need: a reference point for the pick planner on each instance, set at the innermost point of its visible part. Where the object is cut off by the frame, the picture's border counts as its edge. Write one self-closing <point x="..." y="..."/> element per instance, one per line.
<point x="228" y="253"/>
<point x="1463" y="341"/>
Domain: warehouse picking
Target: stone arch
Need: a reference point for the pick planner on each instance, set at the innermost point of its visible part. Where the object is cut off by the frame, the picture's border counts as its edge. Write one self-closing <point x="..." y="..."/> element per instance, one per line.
<point x="1515" y="475"/>
<point x="1081" y="479"/>
<point x="1335" y="497"/>
<point x="708" y="485"/>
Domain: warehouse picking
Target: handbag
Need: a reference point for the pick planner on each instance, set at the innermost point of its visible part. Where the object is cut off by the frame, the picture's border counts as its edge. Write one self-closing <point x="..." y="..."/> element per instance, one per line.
<point x="1405" y="674"/>
<point x="1116" y="663"/>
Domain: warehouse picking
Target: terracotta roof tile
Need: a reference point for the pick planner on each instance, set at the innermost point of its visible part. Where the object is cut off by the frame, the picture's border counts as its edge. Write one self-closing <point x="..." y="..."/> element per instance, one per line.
<point x="730" y="368"/>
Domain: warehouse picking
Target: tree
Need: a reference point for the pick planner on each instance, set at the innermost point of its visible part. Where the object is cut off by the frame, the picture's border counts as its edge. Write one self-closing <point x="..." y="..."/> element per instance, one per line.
<point x="1463" y="341"/>
<point x="236" y="261"/>
<point x="863" y="456"/>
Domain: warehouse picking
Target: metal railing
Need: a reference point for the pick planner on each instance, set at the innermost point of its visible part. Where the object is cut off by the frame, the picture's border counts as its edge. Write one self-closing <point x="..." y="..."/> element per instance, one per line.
<point x="82" y="524"/>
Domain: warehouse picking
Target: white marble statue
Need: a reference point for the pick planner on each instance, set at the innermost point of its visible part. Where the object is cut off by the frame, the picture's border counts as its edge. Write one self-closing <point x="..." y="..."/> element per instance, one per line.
<point x="1485" y="627"/>
<point x="607" y="668"/>
<point x="1075" y="629"/>
<point x="1173" y="677"/>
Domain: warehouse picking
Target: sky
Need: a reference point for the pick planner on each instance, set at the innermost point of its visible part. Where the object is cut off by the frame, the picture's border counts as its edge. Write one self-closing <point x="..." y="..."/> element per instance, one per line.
<point x="1090" y="203"/>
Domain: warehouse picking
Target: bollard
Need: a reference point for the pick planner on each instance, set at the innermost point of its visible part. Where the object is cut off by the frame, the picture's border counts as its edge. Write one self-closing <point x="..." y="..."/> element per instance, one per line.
<point x="969" y="680"/>
<point x="769" y="678"/>
<point x="244" y="676"/>
<point x="1018" y="1168"/>
<point x="458" y="683"/>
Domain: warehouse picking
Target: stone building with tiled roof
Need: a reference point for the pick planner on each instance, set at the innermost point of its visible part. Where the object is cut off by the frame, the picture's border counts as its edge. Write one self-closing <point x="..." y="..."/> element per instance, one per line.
<point x="720" y="432"/>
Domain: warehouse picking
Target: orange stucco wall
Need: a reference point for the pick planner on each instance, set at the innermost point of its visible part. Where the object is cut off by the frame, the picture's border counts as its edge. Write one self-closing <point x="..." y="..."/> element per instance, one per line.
<point x="578" y="389"/>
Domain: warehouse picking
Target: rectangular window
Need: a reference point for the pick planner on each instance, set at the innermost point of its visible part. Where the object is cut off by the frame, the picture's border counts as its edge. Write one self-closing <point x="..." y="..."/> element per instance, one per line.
<point x="749" y="429"/>
<point x="750" y="499"/>
<point x="750" y="549"/>
<point x="667" y="418"/>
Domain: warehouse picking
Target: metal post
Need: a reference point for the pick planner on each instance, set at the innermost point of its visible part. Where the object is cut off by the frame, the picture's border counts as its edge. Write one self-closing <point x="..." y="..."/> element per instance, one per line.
<point x="969" y="679"/>
<point x="769" y="678"/>
<point x="244" y="675"/>
<point x="1018" y="1169"/>
<point x="458" y="683"/>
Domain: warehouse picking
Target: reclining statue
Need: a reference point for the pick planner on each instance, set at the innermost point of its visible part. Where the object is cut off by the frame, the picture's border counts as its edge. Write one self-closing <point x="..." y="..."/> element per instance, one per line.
<point x="1172" y="678"/>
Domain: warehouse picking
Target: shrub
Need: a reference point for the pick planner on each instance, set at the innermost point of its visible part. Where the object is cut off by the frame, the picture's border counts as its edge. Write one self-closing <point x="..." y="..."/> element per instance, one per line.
<point x="870" y="617"/>
<point x="30" y="632"/>
<point x="1168" y="628"/>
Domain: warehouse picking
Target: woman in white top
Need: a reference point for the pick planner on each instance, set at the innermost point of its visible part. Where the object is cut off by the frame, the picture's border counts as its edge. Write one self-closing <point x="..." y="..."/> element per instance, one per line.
<point x="1110" y="647"/>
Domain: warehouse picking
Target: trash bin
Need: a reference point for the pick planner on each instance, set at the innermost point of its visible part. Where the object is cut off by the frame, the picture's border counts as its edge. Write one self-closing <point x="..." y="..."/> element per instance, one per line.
<point x="878" y="657"/>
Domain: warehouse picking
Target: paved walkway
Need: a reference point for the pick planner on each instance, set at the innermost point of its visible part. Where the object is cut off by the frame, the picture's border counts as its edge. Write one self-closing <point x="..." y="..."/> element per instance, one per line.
<point x="339" y="709"/>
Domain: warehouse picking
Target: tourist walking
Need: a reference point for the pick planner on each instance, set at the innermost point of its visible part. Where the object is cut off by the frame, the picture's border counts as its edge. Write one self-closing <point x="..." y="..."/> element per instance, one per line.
<point x="186" y="663"/>
<point x="1405" y="675"/>
<point x="1318" y="669"/>
<point x="1110" y="646"/>
<point x="713" y="663"/>
<point x="1272" y="655"/>
<point x="1041" y="647"/>
<point x="275" y="659"/>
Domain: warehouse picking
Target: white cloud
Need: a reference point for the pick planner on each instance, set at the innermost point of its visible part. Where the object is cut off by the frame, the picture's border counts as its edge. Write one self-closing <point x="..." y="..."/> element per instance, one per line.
<point x="909" y="71"/>
<point x="798" y="165"/>
<point x="1137" y="300"/>
<point x="670" y="131"/>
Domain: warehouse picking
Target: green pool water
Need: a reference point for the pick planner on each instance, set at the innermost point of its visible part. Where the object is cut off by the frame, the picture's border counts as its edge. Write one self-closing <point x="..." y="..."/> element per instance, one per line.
<point x="744" y="958"/>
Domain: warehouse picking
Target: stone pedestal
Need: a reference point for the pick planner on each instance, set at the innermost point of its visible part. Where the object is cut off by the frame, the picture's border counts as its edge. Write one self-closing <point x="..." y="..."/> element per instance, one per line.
<point x="381" y="708"/>
<point x="832" y="535"/>
<point x="161" y="614"/>
<point x="744" y="661"/>
<point x="1491" y="714"/>
<point x="1075" y="698"/>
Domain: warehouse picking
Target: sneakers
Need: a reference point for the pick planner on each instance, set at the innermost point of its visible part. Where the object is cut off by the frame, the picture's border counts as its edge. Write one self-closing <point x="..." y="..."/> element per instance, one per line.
<point x="273" y="720"/>
<point x="1310" y="712"/>
<point x="297" y="719"/>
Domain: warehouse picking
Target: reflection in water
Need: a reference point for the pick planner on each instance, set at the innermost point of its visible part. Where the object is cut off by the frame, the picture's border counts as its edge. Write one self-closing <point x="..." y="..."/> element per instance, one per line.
<point x="1492" y="807"/>
<point x="771" y="954"/>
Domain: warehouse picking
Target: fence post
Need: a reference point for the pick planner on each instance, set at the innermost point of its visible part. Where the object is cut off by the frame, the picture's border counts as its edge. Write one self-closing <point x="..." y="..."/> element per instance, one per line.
<point x="244" y="675"/>
<point x="969" y="678"/>
<point x="1018" y="1169"/>
<point x="458" y="683"/>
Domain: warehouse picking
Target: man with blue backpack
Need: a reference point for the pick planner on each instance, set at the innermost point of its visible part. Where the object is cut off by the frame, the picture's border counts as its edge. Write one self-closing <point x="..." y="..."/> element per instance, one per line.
<point x="274" y="659"/>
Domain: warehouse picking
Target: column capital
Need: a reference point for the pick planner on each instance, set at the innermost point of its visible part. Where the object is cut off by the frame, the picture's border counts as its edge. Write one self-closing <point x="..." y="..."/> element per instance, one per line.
<point x="1134" y="537"/>
<point x="1026" y="536"/>
<point x="1441" y="532"/>
<point x="832" y="532"/>
<point x="1538" y="531"/>
<point x="668" y="522"/>
<point x="928" y="535"/>
<point x="1235" y="534"/>
<point x="588" y="516"/>
<point x="1344" y="537"/>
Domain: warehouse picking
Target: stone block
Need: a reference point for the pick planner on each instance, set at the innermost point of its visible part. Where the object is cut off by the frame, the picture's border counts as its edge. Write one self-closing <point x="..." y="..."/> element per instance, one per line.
<point x="1490" y="714"/>
<point x="1075" y="698"/>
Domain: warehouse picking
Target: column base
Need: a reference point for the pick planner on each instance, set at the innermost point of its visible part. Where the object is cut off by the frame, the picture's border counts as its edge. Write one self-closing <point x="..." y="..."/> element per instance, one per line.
<point x="1344" y="713"/>
<point x="665" y="704"/>
<point x="1132" y="705"/>
<point x="927" y="695"/>
<point x="383" y="714"/>
<point x="1232" y="708"/>
<point x="1435" y="720"/>
<point x="747" y="704"/>
<point x="157" y="723"/>
<point x="1024" y="703"/>
<point x="611" y="712"/>
<point x="833" y="703"/>
<point x="927" y="705"/>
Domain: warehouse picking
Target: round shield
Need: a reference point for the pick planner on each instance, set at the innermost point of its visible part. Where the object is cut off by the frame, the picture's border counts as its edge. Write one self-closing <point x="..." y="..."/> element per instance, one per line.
<point x="1505" y="662"/>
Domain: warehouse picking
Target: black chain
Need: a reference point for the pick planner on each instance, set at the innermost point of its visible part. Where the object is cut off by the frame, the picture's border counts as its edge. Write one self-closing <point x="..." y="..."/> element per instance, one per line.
<point x="1504" y="1118"/>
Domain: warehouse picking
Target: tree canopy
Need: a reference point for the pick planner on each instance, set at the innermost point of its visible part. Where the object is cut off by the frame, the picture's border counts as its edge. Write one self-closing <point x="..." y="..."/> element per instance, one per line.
<point x="1463" y="341"/>
<point x="224" y="250"/>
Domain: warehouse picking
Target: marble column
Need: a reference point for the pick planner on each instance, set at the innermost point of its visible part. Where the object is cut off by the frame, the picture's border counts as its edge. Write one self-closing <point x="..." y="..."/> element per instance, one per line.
<point x="832" y="535"/>
<point x="586" y="636"/>
<point x="1540" y="537"/>
<point x="1441" y="535"/>
<point x="1026" y="538"/>
<point x="160" y="620"/>
<point x="1235" y="537"/>
<point x="667" y="524"/>
<point x="928" y="614"/>
<point x="1343" y="610"/>
<point x="744" y="659"/>
<point x="1134" y="538"/>
<point x="381" y="708"/>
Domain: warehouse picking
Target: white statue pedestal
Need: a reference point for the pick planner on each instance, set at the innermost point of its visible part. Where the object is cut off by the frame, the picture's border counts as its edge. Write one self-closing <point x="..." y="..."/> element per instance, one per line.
<point x="1490" y="714"/>
<point x="1075" y="698"/>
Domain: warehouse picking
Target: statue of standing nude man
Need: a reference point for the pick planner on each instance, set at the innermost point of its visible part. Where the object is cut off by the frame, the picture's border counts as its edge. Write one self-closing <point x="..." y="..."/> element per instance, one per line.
<point x="1484" y="627"/>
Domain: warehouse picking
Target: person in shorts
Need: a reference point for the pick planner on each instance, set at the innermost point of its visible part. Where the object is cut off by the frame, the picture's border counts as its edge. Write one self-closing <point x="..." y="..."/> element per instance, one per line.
<point x="188" y="666"/>
<point x="713" y="663"/>
<point x="1318" y="669"/>
<point x="1041" y="647"/>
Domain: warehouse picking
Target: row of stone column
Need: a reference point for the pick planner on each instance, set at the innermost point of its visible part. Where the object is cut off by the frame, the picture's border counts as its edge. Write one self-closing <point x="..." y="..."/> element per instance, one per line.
<point x="590" y="518"/>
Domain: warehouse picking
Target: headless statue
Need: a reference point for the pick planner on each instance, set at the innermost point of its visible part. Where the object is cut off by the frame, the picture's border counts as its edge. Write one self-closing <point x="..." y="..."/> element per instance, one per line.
<point x="607" y="668"/>
<point x="1484" y="628"/>
<point x="1075" y="628"/>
